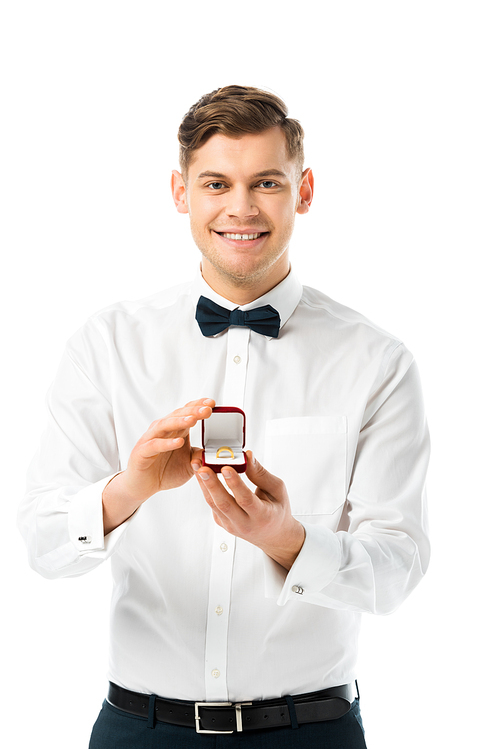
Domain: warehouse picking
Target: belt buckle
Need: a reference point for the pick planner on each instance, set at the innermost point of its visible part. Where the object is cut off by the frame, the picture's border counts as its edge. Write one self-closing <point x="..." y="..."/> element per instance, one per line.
<point x="237" y="706"/>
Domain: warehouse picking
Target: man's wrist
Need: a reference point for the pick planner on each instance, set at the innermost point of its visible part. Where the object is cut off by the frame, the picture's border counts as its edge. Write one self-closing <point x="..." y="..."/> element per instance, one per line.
<point x="118" y="505"/>
<point x="286" y="554"/>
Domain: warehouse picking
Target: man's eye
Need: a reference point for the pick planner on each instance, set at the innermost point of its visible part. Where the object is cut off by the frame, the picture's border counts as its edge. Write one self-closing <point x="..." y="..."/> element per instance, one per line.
<point x="268" y="184"/>
<point x="215" y="185"/>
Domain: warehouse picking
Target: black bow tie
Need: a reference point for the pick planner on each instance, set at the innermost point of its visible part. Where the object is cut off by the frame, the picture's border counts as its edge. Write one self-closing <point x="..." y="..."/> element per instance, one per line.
<point x="213" y="319"/>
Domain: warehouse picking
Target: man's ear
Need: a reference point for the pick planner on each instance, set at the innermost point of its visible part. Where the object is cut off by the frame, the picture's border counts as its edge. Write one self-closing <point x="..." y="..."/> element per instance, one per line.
<point x="306" y="191"/>
<point x="179" y="192"/>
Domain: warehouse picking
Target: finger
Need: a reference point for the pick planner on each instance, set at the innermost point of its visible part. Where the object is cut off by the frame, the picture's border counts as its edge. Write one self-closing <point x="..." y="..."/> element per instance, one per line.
<point x="197" y="411"/>
<point x="179" y="421"/>
<point x="201" y="402"/>
<point x="259" y="476"/>
<point x="170" y="425"/>
<point x="203" y="481"/>
<point x="156" y="446"/>
<point x="201" y="408"/>
<point x="217" y="496"/>
<point x="196" y="458"/>
<point x="245" y="498"/>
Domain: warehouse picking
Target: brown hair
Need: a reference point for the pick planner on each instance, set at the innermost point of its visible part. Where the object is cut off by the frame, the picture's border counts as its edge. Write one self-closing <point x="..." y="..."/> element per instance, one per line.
<point x="235" y="111"/>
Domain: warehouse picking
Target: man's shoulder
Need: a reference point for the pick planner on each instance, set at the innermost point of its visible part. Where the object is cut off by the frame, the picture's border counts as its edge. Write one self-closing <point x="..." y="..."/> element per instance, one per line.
<point x="340" y="316"/>
<point x="119" y="318"/>
<point x="157" y="301"/>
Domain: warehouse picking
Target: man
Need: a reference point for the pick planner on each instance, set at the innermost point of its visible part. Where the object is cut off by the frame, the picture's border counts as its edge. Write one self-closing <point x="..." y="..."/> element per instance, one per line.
<point x="245" y="591"/>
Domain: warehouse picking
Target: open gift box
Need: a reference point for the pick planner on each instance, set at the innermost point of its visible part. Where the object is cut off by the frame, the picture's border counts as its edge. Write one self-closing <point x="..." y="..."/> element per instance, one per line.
<point x="222" y="434"/>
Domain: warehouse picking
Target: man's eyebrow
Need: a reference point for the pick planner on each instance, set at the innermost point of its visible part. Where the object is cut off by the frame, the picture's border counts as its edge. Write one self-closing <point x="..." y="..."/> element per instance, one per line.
<point x="216" y="175"/>
<point x="270" y="173"/>
<point x="258" y="175"/>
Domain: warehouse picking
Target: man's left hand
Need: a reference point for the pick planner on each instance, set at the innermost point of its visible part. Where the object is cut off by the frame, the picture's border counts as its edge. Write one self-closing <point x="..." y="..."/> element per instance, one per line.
<point x="262" y="517"/>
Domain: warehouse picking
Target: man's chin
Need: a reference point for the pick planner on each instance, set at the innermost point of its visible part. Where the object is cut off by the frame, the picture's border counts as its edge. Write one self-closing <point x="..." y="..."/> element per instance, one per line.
<point x="247" y="275"/>
<point x="242" y="277"/>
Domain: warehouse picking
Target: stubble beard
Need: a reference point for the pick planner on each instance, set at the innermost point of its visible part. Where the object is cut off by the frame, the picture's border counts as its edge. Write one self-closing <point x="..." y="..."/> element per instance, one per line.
<point x="245" y="275"/>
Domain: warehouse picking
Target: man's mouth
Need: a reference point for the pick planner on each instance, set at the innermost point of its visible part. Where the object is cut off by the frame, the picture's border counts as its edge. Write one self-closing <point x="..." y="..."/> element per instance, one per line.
<point x="241" y="237"/>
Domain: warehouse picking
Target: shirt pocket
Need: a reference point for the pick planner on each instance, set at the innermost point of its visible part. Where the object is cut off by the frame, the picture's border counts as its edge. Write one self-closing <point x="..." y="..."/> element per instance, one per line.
<point x="309" y="454"/>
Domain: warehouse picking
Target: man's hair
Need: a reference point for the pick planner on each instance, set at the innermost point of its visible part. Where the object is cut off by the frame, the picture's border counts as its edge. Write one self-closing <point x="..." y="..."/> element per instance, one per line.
<point x="235" y="111"/>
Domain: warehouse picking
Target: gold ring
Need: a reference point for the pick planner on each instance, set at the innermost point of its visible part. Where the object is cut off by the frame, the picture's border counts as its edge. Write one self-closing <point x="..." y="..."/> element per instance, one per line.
<point x="222" y="449"/>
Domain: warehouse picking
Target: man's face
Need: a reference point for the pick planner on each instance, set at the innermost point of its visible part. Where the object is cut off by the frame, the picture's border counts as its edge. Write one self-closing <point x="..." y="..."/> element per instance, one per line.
<point x="242" y="196"/>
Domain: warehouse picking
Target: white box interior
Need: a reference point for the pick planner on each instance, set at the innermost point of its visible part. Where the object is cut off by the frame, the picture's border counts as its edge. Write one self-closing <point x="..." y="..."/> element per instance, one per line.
<point x="224" y="429"/>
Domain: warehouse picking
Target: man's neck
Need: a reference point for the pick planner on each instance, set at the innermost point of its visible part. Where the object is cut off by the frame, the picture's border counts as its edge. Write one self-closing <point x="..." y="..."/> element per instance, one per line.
<point x="241" y="294"/>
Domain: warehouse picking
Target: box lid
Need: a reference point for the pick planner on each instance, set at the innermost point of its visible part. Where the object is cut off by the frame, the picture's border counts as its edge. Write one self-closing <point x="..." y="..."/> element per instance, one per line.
<point x="226" y="426"/>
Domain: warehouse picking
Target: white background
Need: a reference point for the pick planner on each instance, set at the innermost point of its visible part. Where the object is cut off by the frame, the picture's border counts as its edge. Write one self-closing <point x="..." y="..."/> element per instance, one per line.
<point x="400" y="104"/>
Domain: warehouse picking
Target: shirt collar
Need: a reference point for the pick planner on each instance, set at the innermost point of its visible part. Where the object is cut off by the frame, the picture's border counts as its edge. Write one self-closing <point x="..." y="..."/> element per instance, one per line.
<point x="284" y="297"/>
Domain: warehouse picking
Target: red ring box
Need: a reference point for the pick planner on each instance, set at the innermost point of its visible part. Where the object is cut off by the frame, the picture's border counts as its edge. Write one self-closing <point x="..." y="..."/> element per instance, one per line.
<point x="225" y="428"/>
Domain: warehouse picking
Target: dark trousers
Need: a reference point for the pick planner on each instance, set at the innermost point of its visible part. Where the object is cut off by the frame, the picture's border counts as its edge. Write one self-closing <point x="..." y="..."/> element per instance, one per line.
<point x="115" y="729"/>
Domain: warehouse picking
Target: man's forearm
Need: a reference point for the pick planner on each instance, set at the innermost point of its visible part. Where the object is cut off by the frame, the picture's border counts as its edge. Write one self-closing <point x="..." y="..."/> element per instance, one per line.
<point x="117" y="506"/>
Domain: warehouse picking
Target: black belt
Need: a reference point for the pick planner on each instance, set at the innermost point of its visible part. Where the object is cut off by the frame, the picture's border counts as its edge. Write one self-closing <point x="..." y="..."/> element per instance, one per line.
<point x="226" y="717"/>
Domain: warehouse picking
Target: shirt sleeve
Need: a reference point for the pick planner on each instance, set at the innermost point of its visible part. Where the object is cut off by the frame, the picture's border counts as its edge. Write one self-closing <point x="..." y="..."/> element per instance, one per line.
<point x="60" y="516"/>
<point x="383" y="553"/>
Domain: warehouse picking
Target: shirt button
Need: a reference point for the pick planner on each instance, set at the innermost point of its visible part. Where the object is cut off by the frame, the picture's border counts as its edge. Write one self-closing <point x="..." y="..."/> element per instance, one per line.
<point x="297" y="589"/>
<point x="237" y="359"/>
<point x="223" y="547"/>
<point x="216" y="673"/>
<point x="219" y="610"/>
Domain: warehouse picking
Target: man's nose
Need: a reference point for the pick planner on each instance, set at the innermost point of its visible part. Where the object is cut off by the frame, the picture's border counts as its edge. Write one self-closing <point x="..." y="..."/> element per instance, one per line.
<point x="241" y="203"/>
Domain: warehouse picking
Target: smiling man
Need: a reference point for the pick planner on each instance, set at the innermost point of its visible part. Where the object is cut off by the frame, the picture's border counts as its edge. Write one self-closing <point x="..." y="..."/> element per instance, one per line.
<point x="242" y="214"/>
<point x="239" y="577"/>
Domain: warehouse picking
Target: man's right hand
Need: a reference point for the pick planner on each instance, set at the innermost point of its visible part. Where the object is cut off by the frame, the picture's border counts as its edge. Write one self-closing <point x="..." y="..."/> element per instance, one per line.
<point x="160" y="460"/>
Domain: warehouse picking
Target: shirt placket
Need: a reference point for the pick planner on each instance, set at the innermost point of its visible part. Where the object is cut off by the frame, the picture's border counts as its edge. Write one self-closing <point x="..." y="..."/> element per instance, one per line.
<point x="224" y="544"/>
<point x="238" y="339"/>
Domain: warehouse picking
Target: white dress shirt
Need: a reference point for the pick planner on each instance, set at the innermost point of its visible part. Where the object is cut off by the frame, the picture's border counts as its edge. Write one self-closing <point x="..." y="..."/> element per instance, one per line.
<point x="333" y="407"/>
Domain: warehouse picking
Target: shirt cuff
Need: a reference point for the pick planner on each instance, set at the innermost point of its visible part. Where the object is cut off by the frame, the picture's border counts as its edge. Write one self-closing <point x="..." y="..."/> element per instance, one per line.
<point x="85" y="523"/>
<point x="315" y="567"/>
<point x="85" y="529"/>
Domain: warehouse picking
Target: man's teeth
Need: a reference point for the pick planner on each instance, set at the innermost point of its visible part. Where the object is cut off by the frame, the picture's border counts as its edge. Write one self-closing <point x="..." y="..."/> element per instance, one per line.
<point x="242" y="236"/>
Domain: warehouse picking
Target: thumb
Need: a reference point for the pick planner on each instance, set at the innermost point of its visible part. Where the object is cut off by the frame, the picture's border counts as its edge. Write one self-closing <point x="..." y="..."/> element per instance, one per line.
<point x="259" y="476"/>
